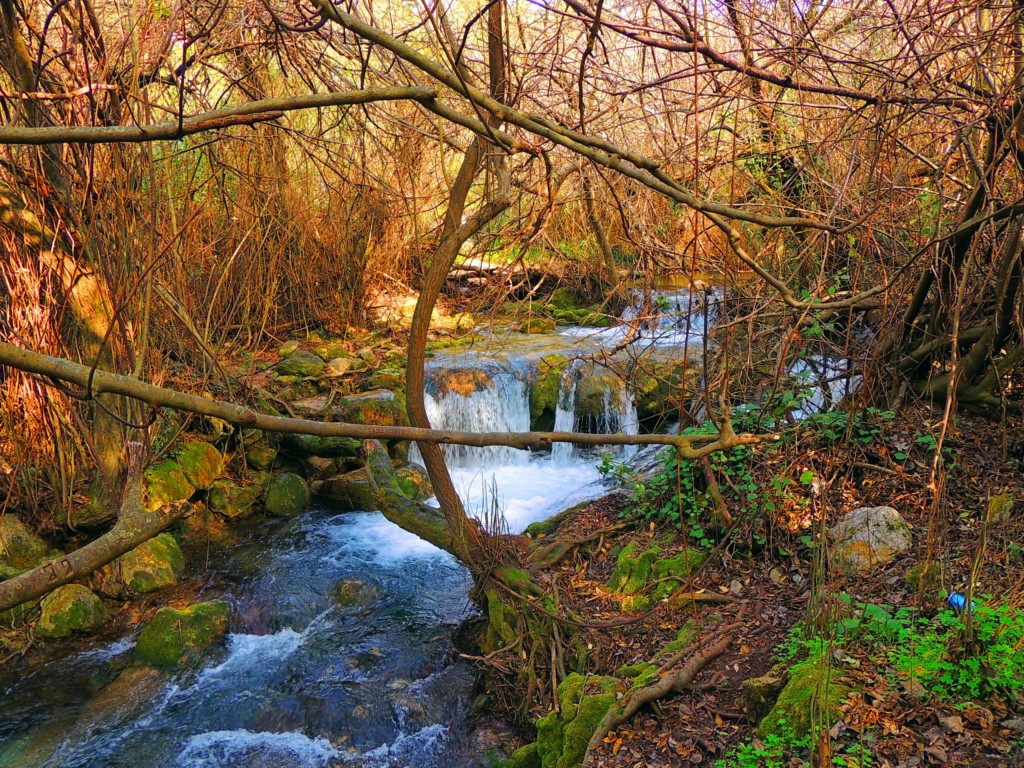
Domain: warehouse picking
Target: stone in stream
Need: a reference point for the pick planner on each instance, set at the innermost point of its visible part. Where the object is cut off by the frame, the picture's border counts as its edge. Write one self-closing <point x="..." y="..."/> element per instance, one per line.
<point x="166" y="484"/>
<point x="302" y="364"/>
<point x="152" y="565"/>
<point x="287" y="495"/>
<point x="176" y="638"/>
<point x="20" y="549"/>
<point x="349" y="593"/>
<point x="353" y="491"/>
<point x="69" y="609"/>
<point x="200" y="463"/>
<point x="868" y="537"/>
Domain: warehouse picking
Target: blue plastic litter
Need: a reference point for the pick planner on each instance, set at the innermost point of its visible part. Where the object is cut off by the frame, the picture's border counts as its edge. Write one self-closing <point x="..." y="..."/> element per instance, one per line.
<point x="959" y="602"/>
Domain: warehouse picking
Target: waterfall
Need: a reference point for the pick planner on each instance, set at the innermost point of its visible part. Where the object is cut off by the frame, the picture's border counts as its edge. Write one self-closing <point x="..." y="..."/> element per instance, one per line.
<point x="490" y="397"/>
<point x="617" y="415"/>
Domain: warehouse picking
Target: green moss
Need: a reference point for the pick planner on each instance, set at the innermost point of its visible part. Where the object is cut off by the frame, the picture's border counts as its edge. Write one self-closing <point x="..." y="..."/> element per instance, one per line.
<point x="261" y="456"/>
<point x="166" y="484"/>
<point x="201" y="463"/>
<point x="331" y="350"/>
<point x="659" y="384"/>
<point x="69" y="609"/>
<point x="562" y="298"/>
<point x="809" y="702"/>
<point x="379" y="407"/>
<point x="287" y="495"/>
<point x="387" y="378"/>
<point x="686" y="635"/>
<point x="20" y="549"/>
<point x="352" y="491"/>
<point x="524" y="757"/>
<point x="153" y="565"/>
<point x="544" y="391"/>
<point x="226" y="498"/>
<point x="300" y="364"/>
<point x="322" y="447"/>
<point x="562" y="738"/>
<point x="175" y="638"/>
<point x="925" y="577"/>
<point x="414" y="482"/>
<point x="632" y="569"/>
<point x="537" y="325"/>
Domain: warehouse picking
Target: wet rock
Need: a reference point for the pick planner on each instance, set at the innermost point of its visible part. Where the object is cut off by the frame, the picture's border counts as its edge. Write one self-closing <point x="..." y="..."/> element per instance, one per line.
<point x="126" y="699"/>
<point x="20" y="549"/>
<point x="287" y="495"/>
<point x="353" y="491"/>
<point x="302" y="364"/>
<point x="176" y="638"/>
<point x="353" y="592"/>
<point x="537" y="325"/>
<point x="166" y="484"/>
<point x="69" y="609"/>
<point x="868" y="537"/>
<point x="229" y="500"/>
<point x="544" y="391"/>
<point x="760" y="693"/>
<point x="261" y="456"/>
<point x="152" y="565"/>
<point x="459" y="381"/>
<point x="379" y="407"/>
<point x="201" y="464"/>
<point x="811" y="698"/>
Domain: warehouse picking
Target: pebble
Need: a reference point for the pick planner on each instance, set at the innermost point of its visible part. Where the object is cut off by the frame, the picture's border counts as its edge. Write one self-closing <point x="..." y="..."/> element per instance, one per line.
<point x="735" y="586"/>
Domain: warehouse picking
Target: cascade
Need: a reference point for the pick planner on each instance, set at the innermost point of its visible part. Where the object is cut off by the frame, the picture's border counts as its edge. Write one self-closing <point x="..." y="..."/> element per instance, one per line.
<point x="617" y="415"/>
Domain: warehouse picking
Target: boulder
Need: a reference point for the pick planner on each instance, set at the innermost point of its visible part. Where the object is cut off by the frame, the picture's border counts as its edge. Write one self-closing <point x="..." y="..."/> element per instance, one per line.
<point x="69" y="609"/>
<point x="338" y="366"/>
<point x="324" y="447"/>
<point x="229" y="500"/>
<point x="201" y="463"/>
<point x="351" y="492"/>
<point x="379" y="407"/>
<point x="414" y="482"/>
<point x="301" y="364"/>
<point x="20" y="549"/>
<point x="659" y="385"/>
<point x="287" y="495"/>
<point x="562" y="298"/>
<point x="544" y="391"/>
<point x="290" y="347"/>
<point x="353" y="592"/>
<point x="152" y="565"/>
<point x="176" y="638"/>
<point x="635" y="569"/>
<point x="537" y="325"/>
<point x="166" y="484"/>
<point x="261" y="456"/>
<point x="460" y="381"/>
<point x="596" y="389"/>
<point x="868" y="537"/>
<point x="331" y="350"/>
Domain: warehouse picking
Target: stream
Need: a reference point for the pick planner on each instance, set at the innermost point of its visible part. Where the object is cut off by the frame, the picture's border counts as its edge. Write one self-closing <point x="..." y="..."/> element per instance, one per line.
<point x="300" y="681"/>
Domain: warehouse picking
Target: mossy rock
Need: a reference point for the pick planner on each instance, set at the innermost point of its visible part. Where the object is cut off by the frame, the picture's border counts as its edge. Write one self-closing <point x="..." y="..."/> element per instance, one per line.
<point x="595" y="388"/>
<point x="201" y="464"/>
<point x="331" y="350"/>
<point x="261" y="456"/>
<point x="634" y="570"/>
<point x="322" y="447"/>
<point x="562" y="737"/>
<point x="659" y="385"/>
<point x="287" y="495"/>
<point x="525" y="757"/>
<point x="810" y="701"/>
<point x="537" y="325"/>
<point x="166" y="484"/>
<point x="339" y="366"/>
<point x="563" y="298"/>
<point x="153" y="565"/>
<point x="176" y="638"/>
<point x="349" y="593"/>
<point x="460" y="381"/>
<point x="544" y="391"/>
<point x="351" y="492"/>
<point x="69" y="609"/>
<point x="387" y="378"/>
<point x="289" y="348"/>
<point x="20" y="549"/>
<point x="300" y="364"/>
<point x="229" y="500"/>
<point x="379" y="407"/>
<point x="761" y="693"/>
<point x="414" y="482"/>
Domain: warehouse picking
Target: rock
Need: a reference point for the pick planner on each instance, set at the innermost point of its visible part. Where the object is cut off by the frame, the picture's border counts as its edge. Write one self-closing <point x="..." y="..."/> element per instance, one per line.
<point x="352" y="592"/>
<point x="460" y="381"/>
<point x="537" y="325"/>
<point x="596" y="388"/>
<point x="760" y="693"/>
<point x="129" y="697"/>
<point x="176" y="638"/>
<point x="634" y="570"/>
<point x="736" y="587"/>
<point x="367" y="355"/>
<point x="290" y="347"/>
<point x="563" y="298"/>
<point x="166" y="484"/>
<point x="869" y="537"/>
<point x="331" y="350"/>
<point x="20" y="549"/>
<point x="544" y="391"/>
<point x="387" y="378"/>
<point x="226" y="498"/>
<point x="414" y="482"/>
<point x="261" y="456"/>
<point x="351" y="492"/>
<point x="301" y="364"/>
<point x="811" y="698"/>
<point x="201" y="464"/>
<point x="324" y="447"/>
<point x="68" y="609"/>
<point x="776" y="576"/>
<point x="379" y="407"/>
<point x="152" y="565"/>
<point x="338" y="366"/>
<point x="287" y="495"/>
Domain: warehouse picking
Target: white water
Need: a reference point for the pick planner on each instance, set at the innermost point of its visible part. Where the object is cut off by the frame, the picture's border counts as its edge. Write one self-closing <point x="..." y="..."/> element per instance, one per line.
<point x="230" y="748"/>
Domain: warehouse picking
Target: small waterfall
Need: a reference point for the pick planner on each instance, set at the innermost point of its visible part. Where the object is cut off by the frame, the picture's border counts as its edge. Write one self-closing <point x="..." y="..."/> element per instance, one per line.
<point x="616" y="416"/>
<point x="490" y="397"/>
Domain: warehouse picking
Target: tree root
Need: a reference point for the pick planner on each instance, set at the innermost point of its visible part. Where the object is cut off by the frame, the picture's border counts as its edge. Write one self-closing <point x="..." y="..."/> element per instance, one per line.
<point x="669" y="682"/>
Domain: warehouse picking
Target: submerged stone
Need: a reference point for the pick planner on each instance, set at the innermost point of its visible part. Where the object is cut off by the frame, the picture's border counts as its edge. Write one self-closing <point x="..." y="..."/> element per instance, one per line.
<point x="166" y="484"/>
<point x="176" y="638"/>
<point x="153" y="565"/>
<point x="201" y="463"/>
<point x="353" y="592"/>
<point x="287" y="495"/>
<point x="69" y="609"/>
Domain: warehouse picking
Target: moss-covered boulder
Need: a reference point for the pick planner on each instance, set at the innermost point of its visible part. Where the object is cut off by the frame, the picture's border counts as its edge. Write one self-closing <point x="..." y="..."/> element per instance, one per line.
<point x="287" y="495"/>
<point x="809" y="703"/>
<point x="321" y="447"/>
<point x="230" y="500"/>
<point x="660" y="385"/>
<point x="392" y="379"/>
<point x="20" y="549"/>
<point x="596" y="388"/>
<point x="636" y="569"/>
<point x="414" y="482"/>
<point x="537" y="324"/>
<point x="349" y="593"/>
<point x="544" y="391"/>
<point x="562" y="298"/>
<point x="69" y="609"/>
<point x="166" y="484"/>
<point x="761" y="693"/>
<point x="331" y="350"/>
<point x="562" y="737"/>
<point x="459" y="381"/>
<point x="261" y="456"/>
<point x="300" y="364"/>
<point x="201" y="464"/>
<point x="176" y="638"/>
<point x="153" y="565"/>
<point x="290" y="347"/>
<point x="379" y="407"/>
